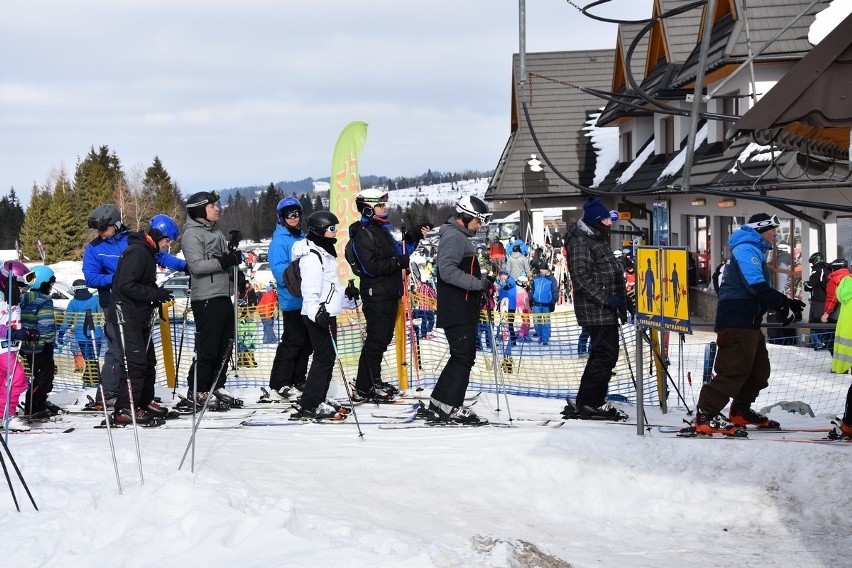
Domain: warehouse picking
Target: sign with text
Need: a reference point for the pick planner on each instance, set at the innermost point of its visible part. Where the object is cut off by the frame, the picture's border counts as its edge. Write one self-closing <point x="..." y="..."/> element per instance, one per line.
<point x="662" y="294"/>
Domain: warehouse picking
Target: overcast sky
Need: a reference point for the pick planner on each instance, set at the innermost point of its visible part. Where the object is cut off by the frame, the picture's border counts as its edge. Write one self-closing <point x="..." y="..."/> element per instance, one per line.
<point x="252" y="91"/>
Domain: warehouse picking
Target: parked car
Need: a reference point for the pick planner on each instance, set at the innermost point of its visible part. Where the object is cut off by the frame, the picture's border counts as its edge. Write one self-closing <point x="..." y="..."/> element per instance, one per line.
<point x="262" y="275"/>
<point x="178" y="285"/>
<point x="61" y="294"/>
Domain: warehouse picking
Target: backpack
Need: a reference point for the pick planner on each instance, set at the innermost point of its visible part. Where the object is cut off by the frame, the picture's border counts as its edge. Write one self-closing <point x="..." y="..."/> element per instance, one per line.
<point x="293" y="276"/>
<point x="351" y="258"/>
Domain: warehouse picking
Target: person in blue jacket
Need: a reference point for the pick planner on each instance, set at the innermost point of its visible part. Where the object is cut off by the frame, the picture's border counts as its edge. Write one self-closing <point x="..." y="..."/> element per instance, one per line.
<point x="75" y="315"/>
<point x="545" y="290"/>
<point x="100" y="261"/>
<point x="290" y="365"/>
<point x="508" y="290"/>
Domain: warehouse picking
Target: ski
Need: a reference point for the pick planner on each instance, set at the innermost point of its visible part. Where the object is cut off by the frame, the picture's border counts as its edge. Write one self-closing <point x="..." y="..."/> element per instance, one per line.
<point x="442" y="425"/>
<point x="467" y="398"/>
<point x="43" y="431"/>
<point x="160" y="424"/>
<point x="345" y="420"/>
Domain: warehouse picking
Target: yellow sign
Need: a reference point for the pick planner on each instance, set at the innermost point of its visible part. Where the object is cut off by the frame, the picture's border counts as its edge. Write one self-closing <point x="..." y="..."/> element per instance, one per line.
<point x="624" y="216"/>
<point x="662" y="294"/>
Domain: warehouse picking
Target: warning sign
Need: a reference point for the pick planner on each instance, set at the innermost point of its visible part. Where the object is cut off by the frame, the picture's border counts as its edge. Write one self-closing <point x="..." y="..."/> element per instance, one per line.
<point x="662" y="295"/>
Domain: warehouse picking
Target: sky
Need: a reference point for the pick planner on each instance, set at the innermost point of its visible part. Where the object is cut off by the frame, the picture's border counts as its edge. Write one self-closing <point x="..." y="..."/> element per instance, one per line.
<point x="232" y="94"/>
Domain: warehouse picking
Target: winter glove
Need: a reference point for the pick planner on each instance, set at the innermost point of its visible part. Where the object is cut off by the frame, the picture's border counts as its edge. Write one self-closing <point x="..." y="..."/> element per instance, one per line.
<point x="784" y="315"/>
<point x="796" y="306"/>
<point x="322" y="317"/>
<point x="552" y="307"/>
<point x="28" y="335"/>
<point x="403" y="261"/>
<point x="164" y="295"/>
<point x="236" y="237"/>
<point x="506" y="287"/>
<point x="233" y="258"/>
<point x="486" y="284"/>
<point x="352" y="292"/>
<point x="615" y="304"/>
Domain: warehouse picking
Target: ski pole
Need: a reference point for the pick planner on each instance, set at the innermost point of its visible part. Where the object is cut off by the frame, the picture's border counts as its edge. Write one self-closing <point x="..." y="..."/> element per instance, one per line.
<point x="197" y="421"/>
<point x="630" y="368"/>
<point x="89" y="331"/>
<point x="345" y="383"/>
<point x="666" y="370"/>
<point x="18" y="472"/>
<point x="120" y="316"/>
<point x="494" y="358"/>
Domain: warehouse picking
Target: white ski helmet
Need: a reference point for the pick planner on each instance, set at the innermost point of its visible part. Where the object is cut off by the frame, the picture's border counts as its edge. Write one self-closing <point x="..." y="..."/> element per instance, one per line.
<point x="470" y="207"/>
<point x="369" y="198"/>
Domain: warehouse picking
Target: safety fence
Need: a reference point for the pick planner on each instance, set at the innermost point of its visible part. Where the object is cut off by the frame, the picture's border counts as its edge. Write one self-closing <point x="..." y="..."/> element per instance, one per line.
<point x="511" y="355"/>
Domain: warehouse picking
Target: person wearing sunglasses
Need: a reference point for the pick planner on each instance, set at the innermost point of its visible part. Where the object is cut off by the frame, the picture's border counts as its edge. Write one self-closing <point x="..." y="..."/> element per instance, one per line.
<point x="211" y="262"/>
<point x="381" y="260"/>
<point x="100" y="261"/>
<point x="741" y="369"/>
<point x="13" y="276"/>
<point x="290" y="365"/>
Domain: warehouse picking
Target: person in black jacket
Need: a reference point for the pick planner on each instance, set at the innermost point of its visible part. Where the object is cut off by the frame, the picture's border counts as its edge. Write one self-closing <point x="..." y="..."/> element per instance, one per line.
<point x="460" y="296"/>
<point x="820" y="270"/>
<point x="134" y="295"/>
<point x="381" y="260"/>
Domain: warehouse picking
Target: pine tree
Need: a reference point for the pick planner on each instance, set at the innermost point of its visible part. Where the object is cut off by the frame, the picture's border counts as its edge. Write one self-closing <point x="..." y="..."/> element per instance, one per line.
<point x="12" y="215"/>
<point x="93" y="186"/>
<point x="268" y="214"/>
<point x="167" y="197"/>
<point x="35" y="220"/>
<point x="62" y="235"/>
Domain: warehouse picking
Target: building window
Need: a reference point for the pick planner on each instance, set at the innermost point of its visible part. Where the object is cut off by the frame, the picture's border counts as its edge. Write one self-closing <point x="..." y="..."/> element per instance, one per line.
<point x="698" y="241"/>
<point x="627" y="147"/>
<point x="730" y="107"/>
<point x="668" y="136"/>
<point x="785" y="259"/>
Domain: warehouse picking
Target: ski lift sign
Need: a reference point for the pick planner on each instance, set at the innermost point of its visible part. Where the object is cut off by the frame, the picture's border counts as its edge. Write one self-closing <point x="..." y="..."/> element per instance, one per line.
<point x="662" y="293"/>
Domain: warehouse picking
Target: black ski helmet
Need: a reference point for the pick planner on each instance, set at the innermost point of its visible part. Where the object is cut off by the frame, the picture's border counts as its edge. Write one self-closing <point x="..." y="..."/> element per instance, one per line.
<point x="196" y="205"/>
<point x="105" y="215"/>
<point x="839" y="263"/>
<point x="470" y="207"/>
<point x="816" y="258"/>
<point x="320" y="221"/>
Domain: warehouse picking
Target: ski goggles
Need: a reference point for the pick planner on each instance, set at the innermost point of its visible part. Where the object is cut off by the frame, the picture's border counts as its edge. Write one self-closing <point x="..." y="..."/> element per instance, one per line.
<point x="27" y="278"/>
<point x="294" y="214"/>
<point x="381" y="201"/>
<point x="100" y="224"/>
<point x="212" y="197"/>
<point x="332" y="228"/>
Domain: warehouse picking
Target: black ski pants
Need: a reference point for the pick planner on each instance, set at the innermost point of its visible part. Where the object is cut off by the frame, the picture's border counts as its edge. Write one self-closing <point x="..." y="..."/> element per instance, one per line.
<point x="141" y="363"/>
<point x="290" y="366"/>
<point x="603" y="355"/>
<point x="381" y="318"/>
<point x="214" y="324"/>
<point x="322" y="365"/>
<point x="452" y="383"/>
<point x="42" y="369"/>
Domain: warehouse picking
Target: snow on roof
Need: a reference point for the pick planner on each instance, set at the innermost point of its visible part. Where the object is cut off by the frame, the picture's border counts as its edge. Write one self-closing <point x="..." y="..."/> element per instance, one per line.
<point x="828" y="19"/>
<point x="636" y="164"/>
<point x="605" y="141"/>
<point x="676" y="164"/>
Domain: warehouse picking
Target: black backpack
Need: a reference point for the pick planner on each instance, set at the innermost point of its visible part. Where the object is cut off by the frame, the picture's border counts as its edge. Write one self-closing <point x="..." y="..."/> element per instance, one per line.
<point x="349" y="253"/>
<point x="293" y="276"/>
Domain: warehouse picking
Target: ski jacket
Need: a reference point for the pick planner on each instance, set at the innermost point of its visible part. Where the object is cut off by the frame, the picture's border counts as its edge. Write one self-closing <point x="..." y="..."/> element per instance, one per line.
<point x="100" y="261"/>
<point x="842" y="358"/>
<point x="280" y="255"/>
<point x="37" y="314"/>
<point x="201" y="243"/>
<point x="831" y="292"/>
<point x="816" y="285"/>
<point x="459" y="282"/>
<point x="522" y="300"/>
<point x="517" y="264"/>
<point x="544" y="290"/>
<point x="508" y="291"/>
<point x="746" y="292"/>
<point x="595" y="276"/>
<point x="497" y="251"/>
<point x="75" y="316"/>
<point x="320" y="282"/>
<point x="135" y="283"/>
<point x="6" y="322"/>
<point x="380" y="258"/>
<point x="266" y="306"/>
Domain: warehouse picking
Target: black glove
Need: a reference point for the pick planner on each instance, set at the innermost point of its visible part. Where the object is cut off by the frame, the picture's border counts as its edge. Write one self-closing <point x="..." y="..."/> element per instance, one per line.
<point x="784" y="315"/>
<point x="322" y="317"/>
<point x="236" y="237"/>
<point x="233" y="258"/>
<point x="552" y="307"/>
<point x="615" y="304"/>
<point x="506" y="287"/>
<point x="164" y="295"/>
<point x="352" y="291"/>
<point x="404" y="261"/>
<point x="486" y="284"/>
<point x="796" y="306"/>
<point x="29" y="335"/>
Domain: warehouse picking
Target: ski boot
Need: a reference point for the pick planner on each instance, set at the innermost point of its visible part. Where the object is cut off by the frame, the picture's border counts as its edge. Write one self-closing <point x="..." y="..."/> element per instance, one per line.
<point x="706" y="424"/>
<point x="224" y="396"/>
<point x="741" y="414"/>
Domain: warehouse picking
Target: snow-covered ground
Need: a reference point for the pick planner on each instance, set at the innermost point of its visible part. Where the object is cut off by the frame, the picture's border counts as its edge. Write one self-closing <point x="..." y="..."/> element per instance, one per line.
<point x="584" y="494"/>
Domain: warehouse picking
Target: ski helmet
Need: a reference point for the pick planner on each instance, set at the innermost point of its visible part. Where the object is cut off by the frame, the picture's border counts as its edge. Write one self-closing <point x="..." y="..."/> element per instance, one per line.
<point x="369" y="198"/>
<point x="470" y="208"/>
<point x="196" y="205"/>
<point x="816" y="258"/>
<point x="43" y="274"/>
<point x="163" y="226"/>
<point x="104" y="216"/>
<point x="839" y="263"/>
<point x="18" y="271"/>
<point x="286" y="206"/>
<point x="320" y="221"/>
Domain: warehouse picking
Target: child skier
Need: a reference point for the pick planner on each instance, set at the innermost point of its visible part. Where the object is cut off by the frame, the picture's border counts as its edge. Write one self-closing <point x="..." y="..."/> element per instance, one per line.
<point x="37" y="317"/>
<point x="11" y="334"/>
<point x="75" y="314"/>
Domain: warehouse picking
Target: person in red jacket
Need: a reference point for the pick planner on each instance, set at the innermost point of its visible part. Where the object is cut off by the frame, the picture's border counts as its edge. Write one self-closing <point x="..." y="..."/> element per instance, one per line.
<point x="839" y="271"/>
<point x="266" y="309"/>
<point x="497" y="253"/>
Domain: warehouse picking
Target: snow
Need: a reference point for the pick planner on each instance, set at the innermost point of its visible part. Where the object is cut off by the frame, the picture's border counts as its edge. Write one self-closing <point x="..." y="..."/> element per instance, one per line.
<point x="828" y="19"/>
<point x="634" y="166"/>
<point x="676" y="163"/>
<point x="585" y="494"/>
<point x="605" y="141"/>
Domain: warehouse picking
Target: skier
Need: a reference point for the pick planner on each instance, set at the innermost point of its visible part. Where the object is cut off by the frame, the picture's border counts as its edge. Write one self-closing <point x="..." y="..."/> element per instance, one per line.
<point x="816" y="285"/>
<point x="382" y="261"/>
<point x="100" y="259"/>
<point x="460" y="289"/>
<point x="600" y="301"/>
<point x="322" y="301"/>
<point x="290" y="365"/>
<point x="74" y="317"/>
<point x="211" y="265"/>
<point x="544" y="292"/>
<point x="37" y="316"/>
<point x="742" y="367"/>
<point x="11" y="368"/>
<point x="133" y="296"/>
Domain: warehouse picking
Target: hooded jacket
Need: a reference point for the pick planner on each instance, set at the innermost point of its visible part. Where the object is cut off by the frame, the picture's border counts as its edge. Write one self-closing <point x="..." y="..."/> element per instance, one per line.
<point x="378" y="255"/>
<point x="280" y="256"/>
<point x="459" y="282"/>
<point x="202" y="242"/>
<point x="135" y="282"/>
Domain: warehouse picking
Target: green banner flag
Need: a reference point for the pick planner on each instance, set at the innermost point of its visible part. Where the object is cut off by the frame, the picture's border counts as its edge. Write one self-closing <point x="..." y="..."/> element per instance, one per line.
<point x="346" y="184"/>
